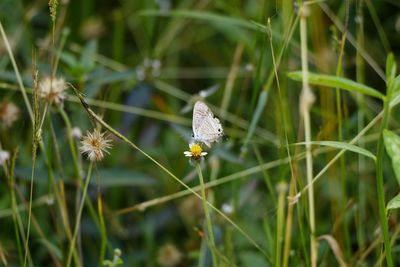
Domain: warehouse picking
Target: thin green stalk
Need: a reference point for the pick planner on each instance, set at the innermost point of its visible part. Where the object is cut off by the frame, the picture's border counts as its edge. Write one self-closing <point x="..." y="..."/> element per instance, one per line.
<point x="280" y="222"/>
<point x="56" y="60"/>
<point x="53" y="186"/>
<point x="17" y="74"/>
<point x="360" y="70"/>
<point x="123" y="138"/>
<point x="267" y="178"/>
<point x="76" y="162"/>
<point x="306" y="101"/>
<point x="79" y="215"/>
<point x="282" y="187"/>
<point x="103" y="230"/>
<point x="340" y="139"/>
<point x="379" y="27"/>
<point x="207" y="214"/>
<point x="30" y="205"/>
<point x="231" y="79"/>
<point x="35" y="141"/>
<point x="379" y="179"/>
<point x="15" y="212"/>
<point x="71" y="142"/>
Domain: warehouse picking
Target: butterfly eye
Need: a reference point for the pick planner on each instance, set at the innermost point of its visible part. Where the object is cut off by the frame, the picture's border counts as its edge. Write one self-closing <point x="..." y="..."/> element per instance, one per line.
<point x="219" y="130"/>
<point x="193" y="135"/>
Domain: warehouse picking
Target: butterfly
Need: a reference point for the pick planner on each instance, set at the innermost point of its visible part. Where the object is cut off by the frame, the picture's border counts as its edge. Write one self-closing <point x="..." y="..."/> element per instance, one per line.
<point x="206" y="127"/>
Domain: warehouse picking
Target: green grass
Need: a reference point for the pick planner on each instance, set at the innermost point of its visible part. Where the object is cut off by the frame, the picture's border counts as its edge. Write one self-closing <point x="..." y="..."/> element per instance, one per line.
<point x="307" y="94"/>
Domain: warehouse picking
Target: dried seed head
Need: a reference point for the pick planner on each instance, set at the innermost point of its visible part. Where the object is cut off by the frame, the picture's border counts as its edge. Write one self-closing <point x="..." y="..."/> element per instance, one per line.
<point x="94" y="145"/>
<point x="52" y="90"/>
<point x="92" y="28"/>
<point x="169" y="256"/>
<point x="8" y="113"/>
<point x="307" y="99"/>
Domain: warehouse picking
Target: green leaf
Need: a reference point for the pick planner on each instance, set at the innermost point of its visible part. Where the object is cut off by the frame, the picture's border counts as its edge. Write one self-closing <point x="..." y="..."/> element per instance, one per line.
<point x="123" y="177"/>
<point x="341" y="145"/>
<point x="390" y="68"/>
<point x="394" y="203"/>
<point x="262" y="101"/>
<point x="336" y="82"/>
<point x="392" y="145"/>
<point x="88" y="55"/>
<point x="396" y="85"/>
<point x="69" y="59"/>
<point x="113" y="177"/>
<point x="207" y="16"/>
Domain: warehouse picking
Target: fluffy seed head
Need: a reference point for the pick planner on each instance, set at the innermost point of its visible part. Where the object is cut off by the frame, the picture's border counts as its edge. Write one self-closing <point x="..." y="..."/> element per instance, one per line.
<point x="52" y="90"/>
<point x="8" y="113"/>
<point x="94" y="145"/>
<point x="169" y="256"/>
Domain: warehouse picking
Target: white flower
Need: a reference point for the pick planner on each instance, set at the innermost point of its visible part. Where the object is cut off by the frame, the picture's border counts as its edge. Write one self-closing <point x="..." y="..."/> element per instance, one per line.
<point x="227" y="208"/>
<point x="52" y="90"/>
<point x="196" y="152"/>
<point x="95" y="145"/>
<point x="4" y="156"/>
<point x="76" y="132"/>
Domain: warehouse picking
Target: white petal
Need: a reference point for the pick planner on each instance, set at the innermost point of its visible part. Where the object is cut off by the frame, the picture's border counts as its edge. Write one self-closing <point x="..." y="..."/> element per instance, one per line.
<point x="187" y="153"/>
<point x="203" y="154"/>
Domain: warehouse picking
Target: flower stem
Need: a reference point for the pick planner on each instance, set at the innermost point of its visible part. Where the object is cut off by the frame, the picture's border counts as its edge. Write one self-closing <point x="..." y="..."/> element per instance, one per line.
<point x="379" y="180"/>
<point x="79" y="215"/>
<point x="207" y="214"/>
<point x="305" y="106"/>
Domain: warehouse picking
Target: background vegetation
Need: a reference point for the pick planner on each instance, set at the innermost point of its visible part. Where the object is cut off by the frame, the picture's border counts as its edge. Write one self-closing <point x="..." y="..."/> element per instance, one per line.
<point x="140" y="66"/>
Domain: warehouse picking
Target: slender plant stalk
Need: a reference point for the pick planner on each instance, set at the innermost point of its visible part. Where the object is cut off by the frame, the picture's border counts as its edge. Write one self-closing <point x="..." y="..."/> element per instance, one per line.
<point x="231" y="79"/>
<point x="61" y="198"/>
<point x="79" y="215"/>
<point x="342" y="167"/>
<point x="283" y="188"/>
<point x="39" y="231"/>
<point x="379" y="179"/>
<point x="103" y="230"/>
<point x="280" y="222"/>
<point x="123" y="138"/>
<point x="360" y="69"/>
<point x="18" y="228"/>
<point x="37" y="126"/>
<point x="306" y="101"/>
<point x="77" y="165"/>
<point x="17" y="74"/>
<point x="207" y="215"/>
<point x="339" y="72"/>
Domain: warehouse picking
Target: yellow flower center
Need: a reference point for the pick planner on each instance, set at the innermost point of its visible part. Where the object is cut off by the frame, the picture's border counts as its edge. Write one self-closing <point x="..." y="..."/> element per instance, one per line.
<point x="196" y="150"/>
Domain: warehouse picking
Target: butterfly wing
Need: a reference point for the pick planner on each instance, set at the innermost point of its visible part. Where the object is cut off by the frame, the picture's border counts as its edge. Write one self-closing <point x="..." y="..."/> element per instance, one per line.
<point x="206" y="127"/>
<point x="200" y="113"/>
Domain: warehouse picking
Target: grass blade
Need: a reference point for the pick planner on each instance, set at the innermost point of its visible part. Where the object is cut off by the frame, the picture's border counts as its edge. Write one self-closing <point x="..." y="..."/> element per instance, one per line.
<point x="337" y="82"/>
<point x="341" y="145"/>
